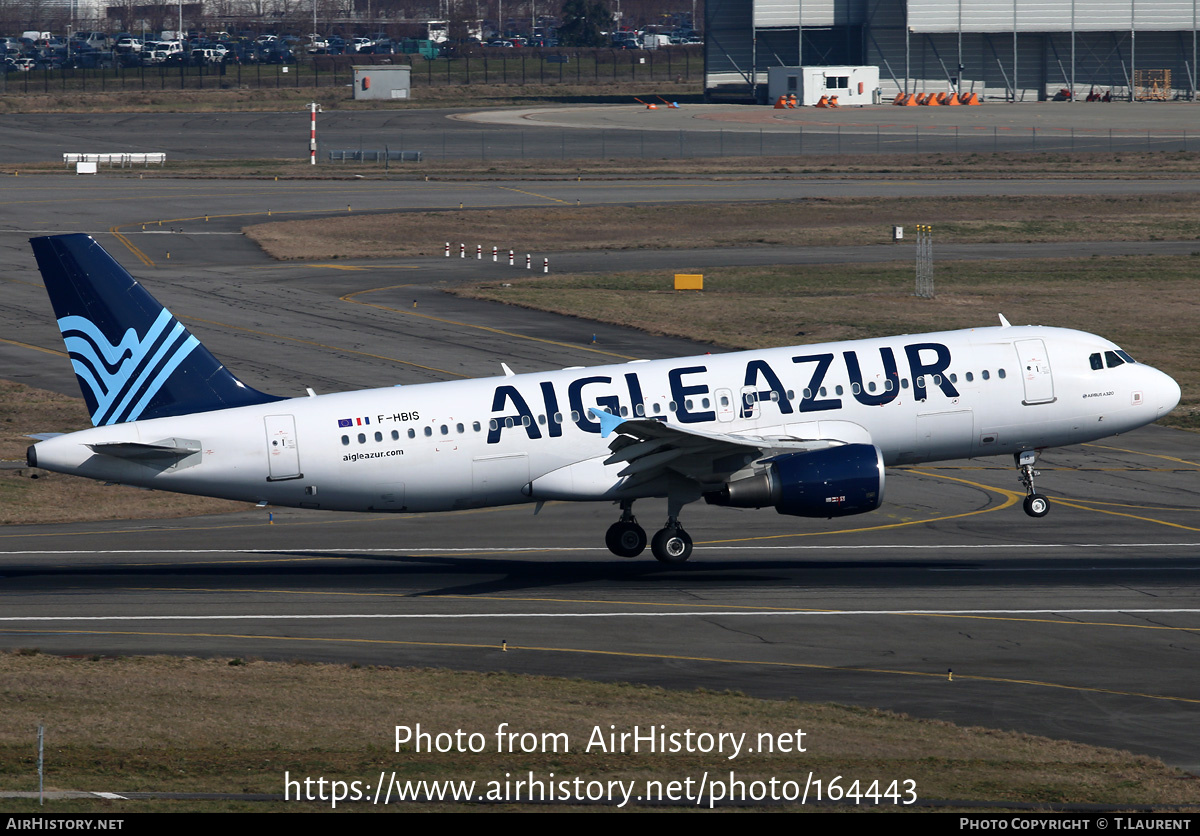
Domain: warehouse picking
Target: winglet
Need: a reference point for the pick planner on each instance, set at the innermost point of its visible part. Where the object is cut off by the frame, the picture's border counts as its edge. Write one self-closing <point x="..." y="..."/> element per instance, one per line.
<point x="1004" y="322"/>
<point x="608" y="421"/>
<point x="507" y="371"/>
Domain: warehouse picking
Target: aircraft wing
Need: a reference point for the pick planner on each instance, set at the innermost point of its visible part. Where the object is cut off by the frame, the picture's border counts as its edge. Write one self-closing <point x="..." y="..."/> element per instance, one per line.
<point x="651" y="449"/>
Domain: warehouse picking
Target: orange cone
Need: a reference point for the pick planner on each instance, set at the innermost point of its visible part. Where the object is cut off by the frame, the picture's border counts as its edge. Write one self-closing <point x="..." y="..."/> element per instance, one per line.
<point x="781" y="103"/>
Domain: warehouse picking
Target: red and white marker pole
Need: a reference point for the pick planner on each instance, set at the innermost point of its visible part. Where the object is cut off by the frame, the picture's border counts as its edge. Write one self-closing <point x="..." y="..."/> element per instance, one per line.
<point x="312" y="134"/>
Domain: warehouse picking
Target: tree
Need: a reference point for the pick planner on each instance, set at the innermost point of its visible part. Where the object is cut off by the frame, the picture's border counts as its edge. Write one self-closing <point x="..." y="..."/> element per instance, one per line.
<point x="583" y="22"/>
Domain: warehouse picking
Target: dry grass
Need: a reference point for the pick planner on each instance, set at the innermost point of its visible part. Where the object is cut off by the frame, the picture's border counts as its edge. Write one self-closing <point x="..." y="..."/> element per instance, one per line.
<point x="124" y="725"/>
<point x="29" y="495"/>
<point x="1147" y="305"/>
<point x="814" y="222"/>
<point x="229" y="98"/>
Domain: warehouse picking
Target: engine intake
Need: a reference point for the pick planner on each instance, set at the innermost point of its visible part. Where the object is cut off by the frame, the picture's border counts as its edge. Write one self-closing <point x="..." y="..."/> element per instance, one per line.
<point x="835" y="482"/>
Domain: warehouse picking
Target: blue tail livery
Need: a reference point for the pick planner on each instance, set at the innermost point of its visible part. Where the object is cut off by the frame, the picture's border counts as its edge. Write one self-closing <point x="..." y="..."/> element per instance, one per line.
<point x="133" y="359"/>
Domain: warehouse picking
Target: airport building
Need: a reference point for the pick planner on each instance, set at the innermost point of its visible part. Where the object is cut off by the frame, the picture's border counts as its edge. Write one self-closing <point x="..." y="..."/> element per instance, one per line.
<point x="1014" y="50"/>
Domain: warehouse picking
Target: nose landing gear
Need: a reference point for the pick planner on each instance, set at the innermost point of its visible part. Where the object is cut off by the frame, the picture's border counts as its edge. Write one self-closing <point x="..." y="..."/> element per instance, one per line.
<point x="1035" y="504"/>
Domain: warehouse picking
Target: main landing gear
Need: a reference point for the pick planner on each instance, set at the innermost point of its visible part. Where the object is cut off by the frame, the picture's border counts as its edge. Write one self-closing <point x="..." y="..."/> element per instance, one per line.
<point x="1035" y="504"/>
<point x="625" y="538"/>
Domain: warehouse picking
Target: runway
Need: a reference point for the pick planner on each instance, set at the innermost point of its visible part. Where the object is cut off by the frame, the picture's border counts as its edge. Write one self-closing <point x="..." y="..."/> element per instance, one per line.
<point x="948" y="603"/>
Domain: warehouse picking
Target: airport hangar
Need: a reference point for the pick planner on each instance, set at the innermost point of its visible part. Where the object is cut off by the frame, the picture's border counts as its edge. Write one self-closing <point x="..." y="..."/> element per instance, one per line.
<point x="1019" y="50"/>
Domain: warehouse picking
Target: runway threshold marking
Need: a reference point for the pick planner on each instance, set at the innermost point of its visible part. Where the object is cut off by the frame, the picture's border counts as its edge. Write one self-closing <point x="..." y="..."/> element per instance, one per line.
<point x="319" y="345"/>
<point x="349" y="297"/>
<point x="940" y="675"/>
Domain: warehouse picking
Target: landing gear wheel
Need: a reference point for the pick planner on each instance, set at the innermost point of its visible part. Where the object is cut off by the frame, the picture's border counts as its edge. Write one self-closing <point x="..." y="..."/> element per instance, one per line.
<point x="671" y="545"/>
<point x="1037" y="505"/>
<point x="625" y="538"/>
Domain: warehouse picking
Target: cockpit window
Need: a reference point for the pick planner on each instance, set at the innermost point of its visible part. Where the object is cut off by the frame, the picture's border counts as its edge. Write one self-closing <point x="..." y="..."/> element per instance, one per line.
<point x="1097" y="361"/>
<point x="1124" y="355"/>
<point x="1113" y="360"/>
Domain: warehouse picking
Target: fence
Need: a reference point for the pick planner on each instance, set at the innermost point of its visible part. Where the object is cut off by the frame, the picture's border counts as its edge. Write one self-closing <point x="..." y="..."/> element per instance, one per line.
<point x="596" y="67"/>
<point x="563" y="144"/>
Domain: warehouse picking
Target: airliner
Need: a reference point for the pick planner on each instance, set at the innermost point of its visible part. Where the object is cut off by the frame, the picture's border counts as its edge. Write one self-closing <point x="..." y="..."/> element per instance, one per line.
<point x="807" y="430"/>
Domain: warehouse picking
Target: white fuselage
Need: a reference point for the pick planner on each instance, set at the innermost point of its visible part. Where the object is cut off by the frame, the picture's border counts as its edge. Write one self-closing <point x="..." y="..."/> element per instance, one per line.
<point x="471" y="443"/>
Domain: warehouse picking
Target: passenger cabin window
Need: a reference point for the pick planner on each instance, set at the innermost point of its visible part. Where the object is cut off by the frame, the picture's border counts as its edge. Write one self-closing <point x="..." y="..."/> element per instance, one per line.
<point x="345" y="439"/>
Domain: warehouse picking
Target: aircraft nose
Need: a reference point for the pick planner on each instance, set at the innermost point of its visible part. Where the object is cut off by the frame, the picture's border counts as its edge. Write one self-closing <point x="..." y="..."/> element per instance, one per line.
<point x="1166" y="394"/>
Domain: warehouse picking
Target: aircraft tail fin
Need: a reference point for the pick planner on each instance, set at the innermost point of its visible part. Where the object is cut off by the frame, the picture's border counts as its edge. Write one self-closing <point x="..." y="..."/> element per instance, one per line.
<point x="133" y="359"/>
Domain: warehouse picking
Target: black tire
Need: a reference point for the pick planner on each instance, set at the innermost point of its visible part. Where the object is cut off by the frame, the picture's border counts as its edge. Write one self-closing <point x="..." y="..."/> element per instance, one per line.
<point x="1037" y="505"/>
<point x="625" y="539"/>
<point x="671" y="545"/>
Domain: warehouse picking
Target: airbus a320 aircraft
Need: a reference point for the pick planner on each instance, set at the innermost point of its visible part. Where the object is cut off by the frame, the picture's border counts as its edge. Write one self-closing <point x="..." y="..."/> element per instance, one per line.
<point x="807" y="430"/>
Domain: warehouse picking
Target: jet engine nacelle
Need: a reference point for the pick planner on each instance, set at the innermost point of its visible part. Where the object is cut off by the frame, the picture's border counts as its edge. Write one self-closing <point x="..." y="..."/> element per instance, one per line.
<point x="834" y="482"/>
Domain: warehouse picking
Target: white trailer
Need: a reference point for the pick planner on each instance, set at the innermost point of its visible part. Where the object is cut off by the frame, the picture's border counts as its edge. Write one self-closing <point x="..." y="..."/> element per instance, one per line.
<point x="851" y="85"/>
